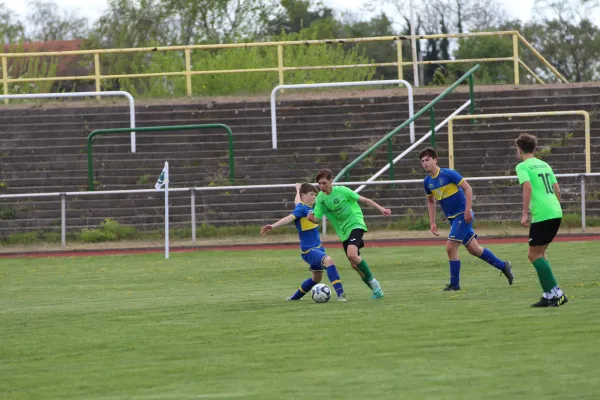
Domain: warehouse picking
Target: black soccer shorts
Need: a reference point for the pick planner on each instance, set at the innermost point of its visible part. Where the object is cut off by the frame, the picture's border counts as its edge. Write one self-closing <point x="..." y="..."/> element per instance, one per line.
<point x="543" y="232"/>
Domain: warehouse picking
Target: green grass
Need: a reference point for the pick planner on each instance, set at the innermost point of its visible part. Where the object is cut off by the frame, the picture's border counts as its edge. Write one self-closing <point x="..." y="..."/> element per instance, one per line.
<point x="215" y="325"/>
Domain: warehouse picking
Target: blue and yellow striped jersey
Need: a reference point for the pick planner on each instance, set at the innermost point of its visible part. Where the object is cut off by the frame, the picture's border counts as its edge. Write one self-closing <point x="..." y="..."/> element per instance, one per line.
<point x="444" y="186"/>
<point x="308" y="232"/>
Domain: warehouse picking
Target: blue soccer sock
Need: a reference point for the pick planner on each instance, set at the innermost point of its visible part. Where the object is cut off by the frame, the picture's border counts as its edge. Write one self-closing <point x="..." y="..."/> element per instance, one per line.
<point x="303" y="289"/>
<point x="335" y="280"/>
<point x="491" y="259"/>
<point x="455" y="273"/>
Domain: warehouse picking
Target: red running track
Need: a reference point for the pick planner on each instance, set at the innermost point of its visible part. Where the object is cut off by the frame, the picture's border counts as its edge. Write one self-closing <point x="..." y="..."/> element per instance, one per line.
<point x="285" y="246"/>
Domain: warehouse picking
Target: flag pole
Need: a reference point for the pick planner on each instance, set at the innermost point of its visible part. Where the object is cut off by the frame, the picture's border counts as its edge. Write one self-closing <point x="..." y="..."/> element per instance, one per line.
<point x="166" y="210"/>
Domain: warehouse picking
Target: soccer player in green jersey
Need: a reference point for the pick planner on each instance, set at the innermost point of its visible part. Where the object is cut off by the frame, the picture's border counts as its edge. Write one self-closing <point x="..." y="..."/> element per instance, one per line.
<point x="340" y="205"/>
<point x="541" y="196"/>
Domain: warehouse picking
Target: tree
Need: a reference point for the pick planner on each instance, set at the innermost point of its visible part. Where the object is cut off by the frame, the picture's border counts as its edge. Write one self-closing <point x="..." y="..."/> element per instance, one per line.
<point x="219" y="21"/>
<point x="11" y="28"/>
<point x="296" y="15"/>
<point x="48" y="23"/>
<point x="573" y="48"/>
<point x="379" y="52"/>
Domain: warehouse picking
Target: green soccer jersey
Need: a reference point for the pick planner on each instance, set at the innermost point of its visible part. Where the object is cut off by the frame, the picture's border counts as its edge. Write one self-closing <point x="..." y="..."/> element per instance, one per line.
<point x="544" y="204"/>
<point x="342" y="209"/>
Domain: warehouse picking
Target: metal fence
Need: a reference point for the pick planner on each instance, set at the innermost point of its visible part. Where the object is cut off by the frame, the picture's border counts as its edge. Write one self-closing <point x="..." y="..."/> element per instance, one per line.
<point x="63" y="197"/>
<point x="280" y="68"/>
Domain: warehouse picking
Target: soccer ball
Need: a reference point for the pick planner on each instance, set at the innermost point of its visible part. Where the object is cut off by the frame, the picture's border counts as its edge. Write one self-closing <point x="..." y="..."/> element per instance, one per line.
<point x="321" y="293"/>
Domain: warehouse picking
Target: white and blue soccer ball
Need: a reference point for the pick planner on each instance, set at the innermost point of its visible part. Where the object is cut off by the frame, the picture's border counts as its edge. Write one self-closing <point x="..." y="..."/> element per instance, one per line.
<point x="321" y="293"/>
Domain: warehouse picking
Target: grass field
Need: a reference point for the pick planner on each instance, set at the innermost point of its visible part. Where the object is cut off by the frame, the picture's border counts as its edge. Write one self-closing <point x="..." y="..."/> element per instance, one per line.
<point x="211" y="325"/>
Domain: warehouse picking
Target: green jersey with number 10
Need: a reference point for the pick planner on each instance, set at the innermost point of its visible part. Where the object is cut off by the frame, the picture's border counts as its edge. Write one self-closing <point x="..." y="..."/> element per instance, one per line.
<point x="544" y="204"/>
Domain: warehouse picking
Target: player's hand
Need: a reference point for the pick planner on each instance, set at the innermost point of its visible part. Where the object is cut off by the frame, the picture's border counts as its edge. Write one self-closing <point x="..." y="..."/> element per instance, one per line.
<point x="298" y="186"/>
<point x="386" y="211"/>
<point x="468" y="217"/>
<point x="524" y="221"/>
<point x="311" y="217"/>
<point x="266" y="229"/>
<point x="434" y="230"/>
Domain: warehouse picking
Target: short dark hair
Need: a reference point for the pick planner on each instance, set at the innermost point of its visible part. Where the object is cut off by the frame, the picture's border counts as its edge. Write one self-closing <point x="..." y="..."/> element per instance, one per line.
<point x="428" y="151"/>
<point x="324" y="173"/>
<point x="306" y="188"/>
<point x="526" y="142"/>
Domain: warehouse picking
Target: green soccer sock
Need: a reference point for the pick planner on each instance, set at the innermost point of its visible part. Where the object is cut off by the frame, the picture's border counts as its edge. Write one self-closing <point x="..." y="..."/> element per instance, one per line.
<point x="364" y="268"/>
<point x="545" y="275"/>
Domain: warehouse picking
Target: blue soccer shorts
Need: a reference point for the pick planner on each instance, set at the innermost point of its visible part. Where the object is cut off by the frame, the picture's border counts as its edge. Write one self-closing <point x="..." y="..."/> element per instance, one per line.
<point x="314" y="257"/>
<point x="461" y="231"/>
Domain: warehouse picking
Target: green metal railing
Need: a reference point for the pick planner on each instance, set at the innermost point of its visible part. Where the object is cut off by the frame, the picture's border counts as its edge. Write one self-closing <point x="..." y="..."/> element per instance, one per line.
<point x="429" y="107"/>
<point x="158" y="129"/>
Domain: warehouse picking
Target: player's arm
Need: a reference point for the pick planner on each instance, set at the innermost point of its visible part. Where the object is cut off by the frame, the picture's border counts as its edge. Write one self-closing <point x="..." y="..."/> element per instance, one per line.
<point x="283" y="221"/>
<point x="525" y="183"/>
<point x="371" y="203"/>
<point x="556" y="190"/>
<point x="527" y="190"/>
<point x="431" y="212"/>
<point x="464" y="185"/>
<point x="555" y="186"/>
<point x="297" y="198"/>
<point x="316" y="213"/>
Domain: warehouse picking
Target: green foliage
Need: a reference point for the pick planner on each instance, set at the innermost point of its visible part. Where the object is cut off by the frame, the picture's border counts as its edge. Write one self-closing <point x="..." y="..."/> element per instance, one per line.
<point x="109" y="231"/>
<point x="7" y="213"/>
<point x="30" y="68"/>
<point x="485" y="47"/>
<point x="144" y="179"/>
<point x="439" y="79"/>
<point x="23" y="238"/>
<point x="243" y="58"/>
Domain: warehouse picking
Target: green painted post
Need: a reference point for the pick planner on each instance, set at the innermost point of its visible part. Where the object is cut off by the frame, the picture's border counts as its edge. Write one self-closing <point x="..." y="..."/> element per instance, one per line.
<point x="471" y="97"/>
<point x="432" y="124"/>
<point x="370" y="150"/>
<point x="158" y="129"/>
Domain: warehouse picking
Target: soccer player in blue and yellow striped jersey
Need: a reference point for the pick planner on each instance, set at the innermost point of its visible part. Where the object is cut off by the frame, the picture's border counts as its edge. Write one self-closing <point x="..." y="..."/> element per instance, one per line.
<point x="455" y="196"/>
<point x="312" y="251"/>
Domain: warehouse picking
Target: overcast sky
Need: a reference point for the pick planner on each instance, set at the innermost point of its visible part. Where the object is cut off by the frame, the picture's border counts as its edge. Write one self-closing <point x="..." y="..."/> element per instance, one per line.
<point x="521" y="9"/>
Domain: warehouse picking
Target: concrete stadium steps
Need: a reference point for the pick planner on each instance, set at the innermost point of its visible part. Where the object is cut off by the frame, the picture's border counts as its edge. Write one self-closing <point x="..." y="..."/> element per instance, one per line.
<point x="44" y="150"/>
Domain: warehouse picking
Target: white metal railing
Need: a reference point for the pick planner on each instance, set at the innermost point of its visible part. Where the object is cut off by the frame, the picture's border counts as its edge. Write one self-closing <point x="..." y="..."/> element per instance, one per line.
<point x="414" y="145"/>
<point x="411" y="109"/>
<point x="84" y="94"/>
<point x="63" y="195"/>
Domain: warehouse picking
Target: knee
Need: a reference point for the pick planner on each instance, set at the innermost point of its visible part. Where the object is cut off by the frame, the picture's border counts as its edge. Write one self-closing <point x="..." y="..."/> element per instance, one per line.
<point x="475" y="251"/>
<point x="327" y="262"/>
<point x="354" y="259"/>
<point x="532" y="256"/>
<point x="317" y="277"/>
<point x="451" y="250"/>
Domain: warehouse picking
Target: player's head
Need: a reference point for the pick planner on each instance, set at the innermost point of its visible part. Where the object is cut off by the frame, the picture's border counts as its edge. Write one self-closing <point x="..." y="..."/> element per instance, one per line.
<point x="324" y="179"/>
<point x="526" y="144"/>
<point x="429" y="159"/>
<point x="308" y="193"/>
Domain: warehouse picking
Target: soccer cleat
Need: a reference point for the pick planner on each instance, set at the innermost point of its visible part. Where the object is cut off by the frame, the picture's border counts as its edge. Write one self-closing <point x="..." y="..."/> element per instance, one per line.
<point x="290" y="299"/>
<point x="558" y="301"/>
<point x="342" y="297"/>
<point x="451" y="288"/>
<point x="544" y="302"/>
<point x="377" y="294"/>
<point x="507" y="272"/>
